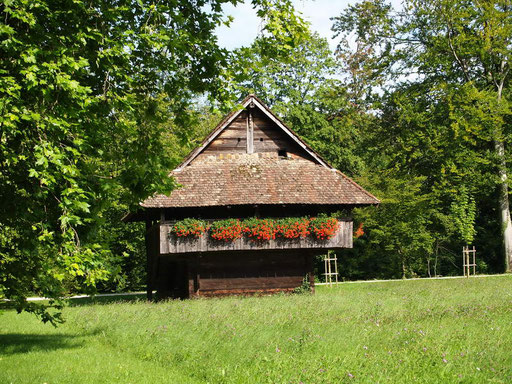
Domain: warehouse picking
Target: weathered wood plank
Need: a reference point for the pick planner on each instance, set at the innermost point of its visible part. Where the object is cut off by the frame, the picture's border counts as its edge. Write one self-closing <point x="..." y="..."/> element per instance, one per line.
<point x="268" y="135"/>
<point x="235" y="131"/>
<point x="238" y="272"/>
<point x="244" y="292"/>
<point x="251" y="283"/>
<point x="264" y="137"/>
<point x="228" y="143"/>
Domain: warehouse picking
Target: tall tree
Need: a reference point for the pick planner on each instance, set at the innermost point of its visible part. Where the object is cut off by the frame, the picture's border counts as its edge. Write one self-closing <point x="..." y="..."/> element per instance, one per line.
<point x="465" y="44"/>
<point x="305" y="90"/>
<point x="80" y="124"/>
<point x="423" y="154"/>
<point x="294" y="79"/>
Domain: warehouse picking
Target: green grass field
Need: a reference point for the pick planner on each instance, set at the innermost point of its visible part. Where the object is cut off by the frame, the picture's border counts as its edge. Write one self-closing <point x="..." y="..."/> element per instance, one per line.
<point x="427" y="331"/>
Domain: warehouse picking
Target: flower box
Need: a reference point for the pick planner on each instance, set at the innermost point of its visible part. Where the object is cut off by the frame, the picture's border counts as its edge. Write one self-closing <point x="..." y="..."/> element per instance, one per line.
<point x="170" y="243"/>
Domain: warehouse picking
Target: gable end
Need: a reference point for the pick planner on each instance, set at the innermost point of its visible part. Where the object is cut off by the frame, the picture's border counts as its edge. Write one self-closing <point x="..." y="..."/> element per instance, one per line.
<point x="265" y="131"/>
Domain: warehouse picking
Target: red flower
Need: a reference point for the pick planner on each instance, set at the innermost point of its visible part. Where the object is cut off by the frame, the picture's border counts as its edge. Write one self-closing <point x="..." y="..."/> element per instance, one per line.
<point x="323" y="228"/>
<point x="359" y="232"/>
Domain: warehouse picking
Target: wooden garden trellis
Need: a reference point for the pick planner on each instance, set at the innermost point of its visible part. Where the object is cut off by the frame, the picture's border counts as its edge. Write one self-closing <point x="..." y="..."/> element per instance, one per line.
<point x="330" y="270"/>
<point x="467" y="255"/>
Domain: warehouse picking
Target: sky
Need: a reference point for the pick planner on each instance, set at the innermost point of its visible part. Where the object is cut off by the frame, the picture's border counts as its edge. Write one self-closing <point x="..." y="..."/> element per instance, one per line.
<point x="246" y="24"/>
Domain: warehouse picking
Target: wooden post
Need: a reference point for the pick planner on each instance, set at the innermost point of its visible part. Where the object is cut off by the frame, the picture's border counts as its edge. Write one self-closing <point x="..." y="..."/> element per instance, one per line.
<point x="468" y="261"/>
<point x="336" y="267"/>
<point x="193" y="277"/>
<point x="329" y="271"/>
<point x="149" y="261"/>
<point x="328" y="259"/>
<point x="474" y="260"/>
<point x="464" y="261"/>
<point x="197" y="279"/>
<point x="325" y="269"/>
<point x="310" y="271"/>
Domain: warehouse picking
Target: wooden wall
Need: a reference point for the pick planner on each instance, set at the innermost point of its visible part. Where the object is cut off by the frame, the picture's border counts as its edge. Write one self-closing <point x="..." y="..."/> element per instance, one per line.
<point x="229" y="273"/>
<point x="232" y="139"/>
<point x="267" y="138"/>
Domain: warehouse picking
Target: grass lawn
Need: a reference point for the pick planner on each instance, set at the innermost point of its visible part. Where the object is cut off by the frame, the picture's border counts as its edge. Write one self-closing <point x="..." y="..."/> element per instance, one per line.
<point x="430" y="331"/>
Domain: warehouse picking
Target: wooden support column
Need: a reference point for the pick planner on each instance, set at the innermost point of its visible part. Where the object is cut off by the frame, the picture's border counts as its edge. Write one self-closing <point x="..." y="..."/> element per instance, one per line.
<point x="149" y="261"/>
<point x="197" y="280"/>
<point x="193" y="276"/>
<point x="310" y="270"/>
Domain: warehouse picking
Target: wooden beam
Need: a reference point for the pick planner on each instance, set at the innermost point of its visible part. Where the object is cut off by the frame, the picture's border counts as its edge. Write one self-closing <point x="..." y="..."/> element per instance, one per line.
<point x="197" y="279"/>
<point x="292" y="135"/>
<point x="250" y="133"/>
<point x="193" y="276"/>
<point x="310" y="270"/>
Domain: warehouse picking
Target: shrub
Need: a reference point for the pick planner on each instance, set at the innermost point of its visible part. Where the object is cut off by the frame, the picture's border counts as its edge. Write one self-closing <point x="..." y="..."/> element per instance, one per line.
<point x="256" y="229"/>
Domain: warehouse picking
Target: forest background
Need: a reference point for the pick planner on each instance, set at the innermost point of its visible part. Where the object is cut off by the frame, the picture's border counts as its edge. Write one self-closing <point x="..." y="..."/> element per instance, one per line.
<point x="101" y="99"/>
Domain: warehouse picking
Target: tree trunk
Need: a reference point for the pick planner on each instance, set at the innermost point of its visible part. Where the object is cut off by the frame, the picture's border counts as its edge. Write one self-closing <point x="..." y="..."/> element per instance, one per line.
<point x="504" y="206"/>
<point x="436" y="253"/>
<point x="404" y="268"/>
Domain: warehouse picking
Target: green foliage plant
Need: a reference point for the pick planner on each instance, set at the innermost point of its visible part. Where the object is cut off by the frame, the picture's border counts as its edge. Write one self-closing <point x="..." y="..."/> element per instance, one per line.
<point x="464" y="214"/>
<point x="305" y="287"/>
<point x="440" y="73"/>
<point x="86" y="90"/>
<point x="259" y="229"/>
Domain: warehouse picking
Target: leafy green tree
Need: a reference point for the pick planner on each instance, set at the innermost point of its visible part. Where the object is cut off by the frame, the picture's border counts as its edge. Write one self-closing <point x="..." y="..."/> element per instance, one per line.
<point x="464" y="212"/>
<point x="420" y="135"/>
<point x="295" y="79"/>
<point x="400" y="229"/>
<point x="304" y="89"/>
<point x="81" y="126"/>
<point x="127" y="259"/>
<point x="457" y="53"/>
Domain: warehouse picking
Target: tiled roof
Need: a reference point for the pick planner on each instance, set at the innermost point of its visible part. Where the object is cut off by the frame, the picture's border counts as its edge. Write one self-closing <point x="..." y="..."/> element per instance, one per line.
<point x="264" y="178"/>
<point x="239" y="179"/>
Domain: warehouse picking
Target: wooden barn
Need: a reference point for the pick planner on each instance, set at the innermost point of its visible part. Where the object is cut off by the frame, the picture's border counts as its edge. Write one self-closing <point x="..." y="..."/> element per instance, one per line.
<point x="251" y="165"/>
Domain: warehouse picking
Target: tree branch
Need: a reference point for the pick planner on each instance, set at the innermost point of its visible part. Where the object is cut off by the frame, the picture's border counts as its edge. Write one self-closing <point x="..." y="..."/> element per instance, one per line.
<point x="459" y="61"/>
